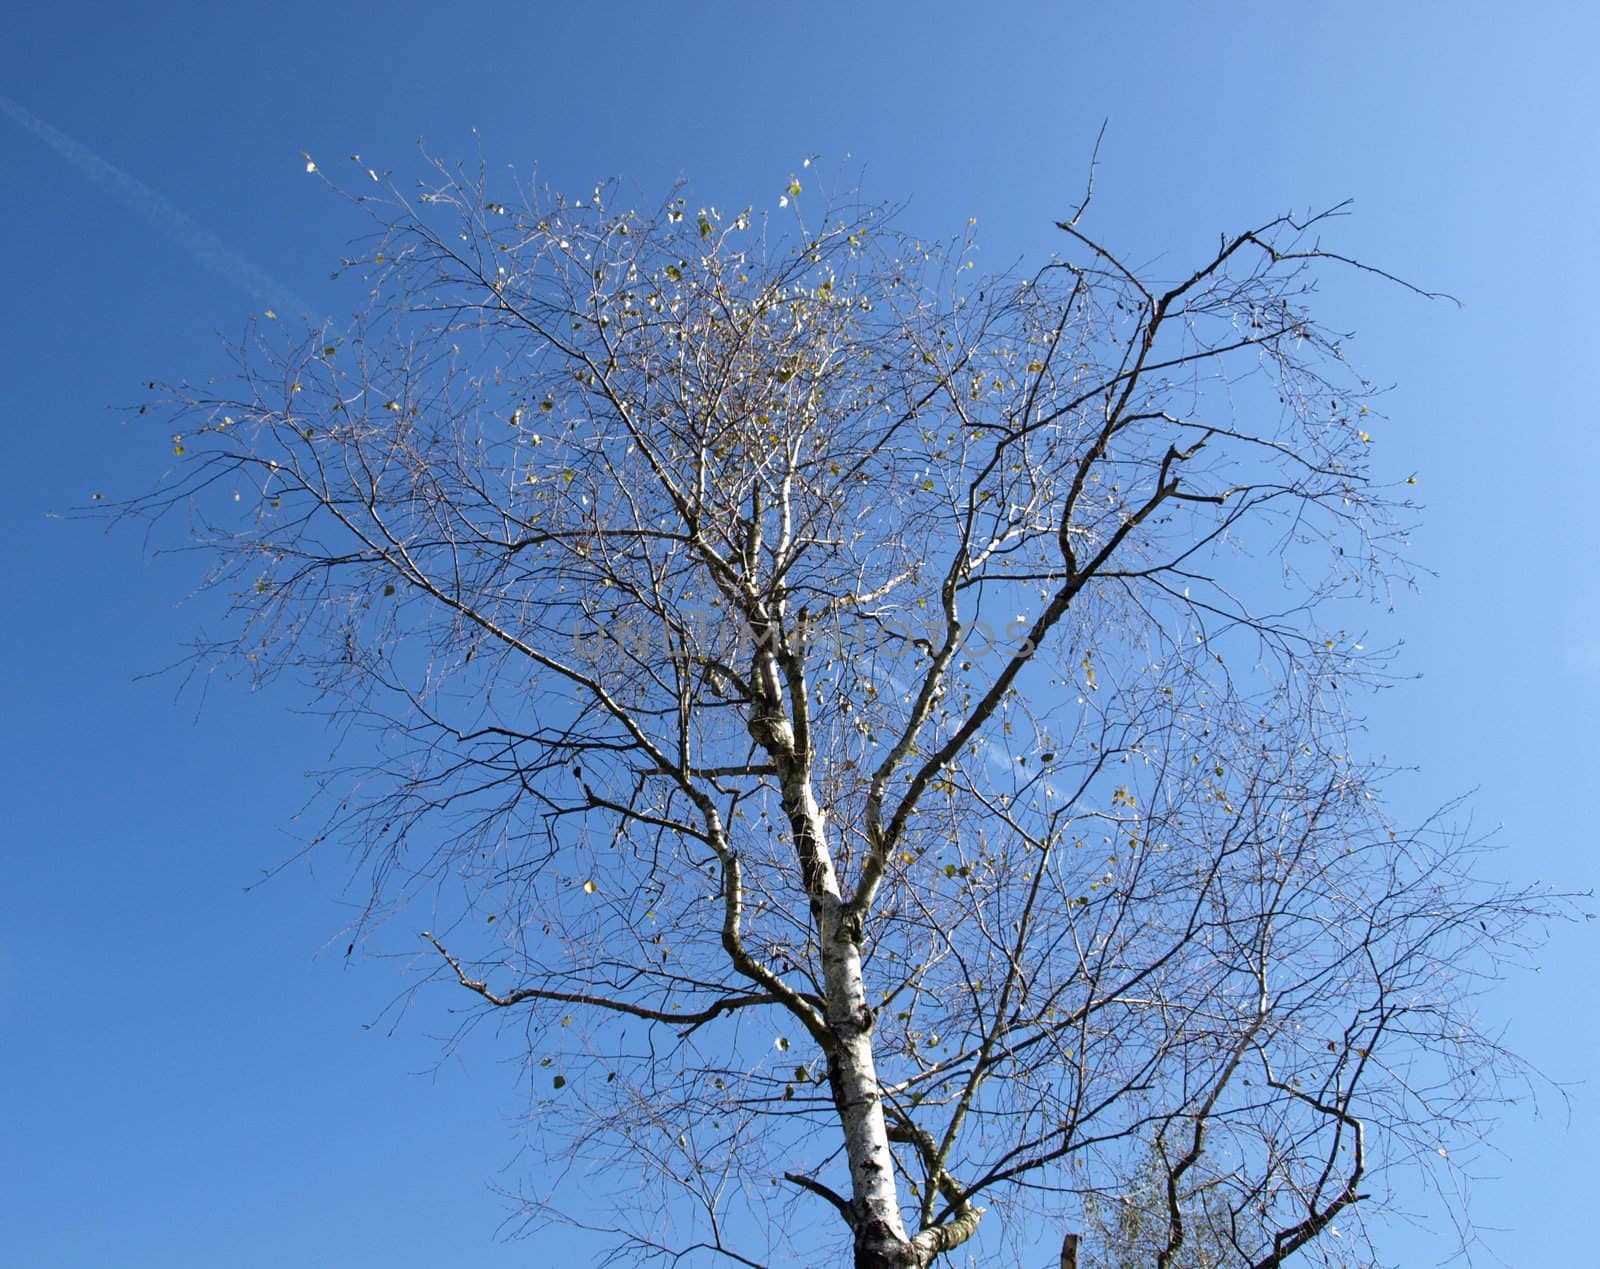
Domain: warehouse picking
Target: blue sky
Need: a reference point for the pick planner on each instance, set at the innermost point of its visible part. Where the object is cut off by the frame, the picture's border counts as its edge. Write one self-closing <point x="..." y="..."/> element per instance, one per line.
<point x="188" y="1078"/>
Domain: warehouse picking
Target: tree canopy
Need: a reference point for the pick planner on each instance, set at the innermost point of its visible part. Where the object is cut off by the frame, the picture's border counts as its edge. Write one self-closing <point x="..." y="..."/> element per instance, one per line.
<point x="880" y="726"/>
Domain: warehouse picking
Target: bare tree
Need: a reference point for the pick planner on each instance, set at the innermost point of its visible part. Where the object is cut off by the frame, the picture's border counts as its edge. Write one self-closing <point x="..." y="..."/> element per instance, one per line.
<point x="872" y="723"/>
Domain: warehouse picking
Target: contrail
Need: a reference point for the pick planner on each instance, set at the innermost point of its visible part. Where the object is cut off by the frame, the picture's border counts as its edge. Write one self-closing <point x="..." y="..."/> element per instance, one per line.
<point x="193" y="237"/>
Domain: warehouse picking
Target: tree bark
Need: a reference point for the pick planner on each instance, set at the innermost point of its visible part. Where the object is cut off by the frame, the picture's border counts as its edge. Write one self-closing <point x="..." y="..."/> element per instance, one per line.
<point x="880" y="1234"/>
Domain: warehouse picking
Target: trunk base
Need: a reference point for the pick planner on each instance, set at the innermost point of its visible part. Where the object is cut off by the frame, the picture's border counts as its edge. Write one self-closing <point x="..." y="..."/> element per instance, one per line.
<point x="878" y="1248"/>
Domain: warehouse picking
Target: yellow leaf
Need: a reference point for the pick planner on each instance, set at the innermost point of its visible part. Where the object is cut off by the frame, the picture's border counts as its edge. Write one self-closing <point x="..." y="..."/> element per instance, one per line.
<point x="589" y="887"/>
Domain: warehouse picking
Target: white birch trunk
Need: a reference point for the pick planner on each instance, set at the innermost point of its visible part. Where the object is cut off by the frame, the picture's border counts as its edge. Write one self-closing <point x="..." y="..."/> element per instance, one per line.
<point x="880" y="1234"/>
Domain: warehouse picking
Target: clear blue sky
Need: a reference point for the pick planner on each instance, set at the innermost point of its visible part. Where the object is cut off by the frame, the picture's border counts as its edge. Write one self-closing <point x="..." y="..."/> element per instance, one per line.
<point x="184" y="1074"/>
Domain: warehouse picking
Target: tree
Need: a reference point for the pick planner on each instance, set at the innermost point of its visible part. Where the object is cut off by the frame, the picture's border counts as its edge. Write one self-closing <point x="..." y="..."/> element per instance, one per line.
<point x="873" y="723"/>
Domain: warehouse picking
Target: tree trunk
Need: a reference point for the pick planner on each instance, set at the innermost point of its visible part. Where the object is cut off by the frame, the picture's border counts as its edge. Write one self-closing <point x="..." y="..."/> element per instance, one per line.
<point x="881" y="1241"/>
<point x="880" y="1235"/>
<point x="874" y="1204"/>
<point x="876" y="1250"/>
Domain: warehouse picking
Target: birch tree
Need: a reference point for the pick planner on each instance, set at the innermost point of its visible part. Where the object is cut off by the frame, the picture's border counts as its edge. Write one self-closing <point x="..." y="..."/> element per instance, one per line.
<point x="878" y="727"/>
